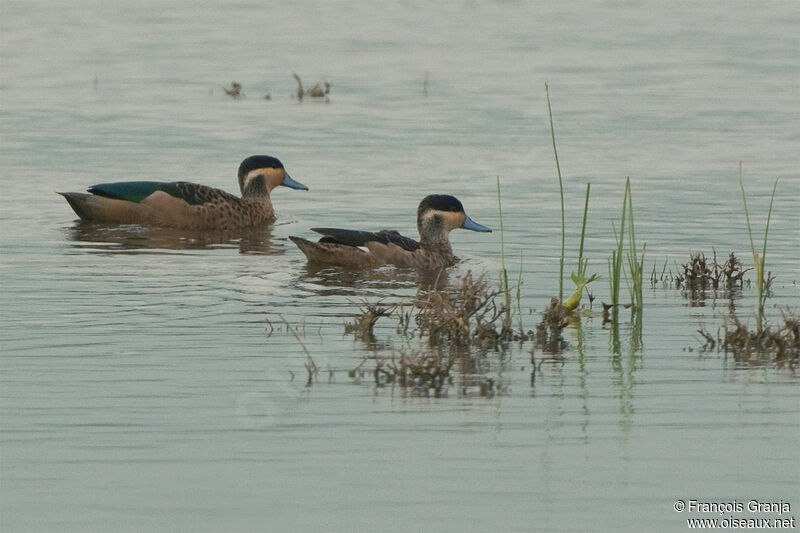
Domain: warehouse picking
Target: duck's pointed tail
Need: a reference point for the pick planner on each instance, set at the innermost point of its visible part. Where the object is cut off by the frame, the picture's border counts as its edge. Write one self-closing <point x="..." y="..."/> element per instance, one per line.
<point x="78" y="203"/>
<point x="327" y="253"/>
<point x="101" y="209"/>
<point x="310" y="249"/>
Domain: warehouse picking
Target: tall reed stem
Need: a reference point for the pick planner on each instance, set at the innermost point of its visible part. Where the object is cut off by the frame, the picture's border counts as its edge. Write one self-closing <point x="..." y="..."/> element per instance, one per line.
<point x="581" y="265"/>
<point x="507" y="319"/>
<point x="615" y="264"/>
<point x="635" y="264"/>
<point x="759" y="262"/>
<point x="561" y="187"/>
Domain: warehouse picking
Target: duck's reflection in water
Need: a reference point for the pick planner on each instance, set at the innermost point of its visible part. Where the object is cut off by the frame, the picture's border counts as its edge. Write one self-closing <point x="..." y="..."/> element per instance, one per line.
<point x="385" y="281"/>
<point x="135" y="238"/>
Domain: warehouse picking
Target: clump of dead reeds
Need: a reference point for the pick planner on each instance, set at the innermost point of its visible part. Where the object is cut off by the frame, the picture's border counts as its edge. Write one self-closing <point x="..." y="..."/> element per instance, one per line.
<point x="701" y="274"/>
<point x="458" y="322"/>
<point x="732" y="271"/>
<point x="548" y="331"/>
<point x="465" y="314"/>
<point x="363" y="324"/>
<point x="779" y="345"/>
<point x="697" y="273"/>
<point x="319" y="90"/>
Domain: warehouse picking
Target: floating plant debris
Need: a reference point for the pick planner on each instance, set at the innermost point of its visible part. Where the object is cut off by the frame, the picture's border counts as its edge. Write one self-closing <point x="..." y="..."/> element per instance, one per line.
<point x="319" y="90"/>
<point x="235" y="90"/>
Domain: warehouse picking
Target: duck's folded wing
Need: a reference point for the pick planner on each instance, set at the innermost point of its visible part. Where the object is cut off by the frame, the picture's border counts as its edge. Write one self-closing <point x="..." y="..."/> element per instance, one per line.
<point x="137" y="191"/>
<point x="352" y="237"/>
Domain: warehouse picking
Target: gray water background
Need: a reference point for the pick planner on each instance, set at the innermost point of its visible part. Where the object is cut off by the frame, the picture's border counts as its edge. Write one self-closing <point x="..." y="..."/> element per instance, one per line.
<point x="140" y="389"/>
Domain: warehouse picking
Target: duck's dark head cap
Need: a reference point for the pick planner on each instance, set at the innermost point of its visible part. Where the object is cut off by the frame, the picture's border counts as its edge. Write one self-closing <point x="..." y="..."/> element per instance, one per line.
<point x="441" y="202"/>
<point x="258" y="161"/>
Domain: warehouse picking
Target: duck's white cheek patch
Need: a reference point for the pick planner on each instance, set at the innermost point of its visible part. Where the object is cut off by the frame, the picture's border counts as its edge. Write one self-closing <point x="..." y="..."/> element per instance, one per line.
<point x="427" y="218"/>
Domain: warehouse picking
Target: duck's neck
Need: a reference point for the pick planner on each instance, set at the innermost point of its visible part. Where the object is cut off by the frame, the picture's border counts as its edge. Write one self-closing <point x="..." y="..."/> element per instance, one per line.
<point x="439" y="249"/>
<point x="434" y="238"/>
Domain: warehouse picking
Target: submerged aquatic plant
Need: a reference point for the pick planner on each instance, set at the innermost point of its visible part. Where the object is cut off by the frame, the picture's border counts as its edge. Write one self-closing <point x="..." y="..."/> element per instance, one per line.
<point x="759" y="261"/>
<point x="424" y="370"/>
<point x="431" y="372"/>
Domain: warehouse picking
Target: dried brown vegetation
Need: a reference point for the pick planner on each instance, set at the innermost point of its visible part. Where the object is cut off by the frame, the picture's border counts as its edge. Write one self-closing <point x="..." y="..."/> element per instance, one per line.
<point x="467" y="315"/>
<point x="779" y="345"/>
<point x="700" y="275"/>
<point x="362" y="325"/>
<point x="458" y="323"/>
<point x="548" y="331"/>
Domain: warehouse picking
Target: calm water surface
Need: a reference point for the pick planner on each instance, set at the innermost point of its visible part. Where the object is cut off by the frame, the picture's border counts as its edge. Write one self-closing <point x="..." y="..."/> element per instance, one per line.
<point x="140" y="387"/>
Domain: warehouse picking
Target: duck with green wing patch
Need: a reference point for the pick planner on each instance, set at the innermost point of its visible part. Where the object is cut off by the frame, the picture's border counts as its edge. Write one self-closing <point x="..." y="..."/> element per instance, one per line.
<point x="182" y="204"/>
<point x="437" y="215"/>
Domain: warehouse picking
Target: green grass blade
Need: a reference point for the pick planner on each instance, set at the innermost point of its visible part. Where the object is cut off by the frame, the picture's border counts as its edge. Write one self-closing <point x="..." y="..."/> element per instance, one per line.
<point x="581" y="264"/>
<point x="561" y="187"/>
<point x="769" y="215"/>
<point x="746" y="212"/>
